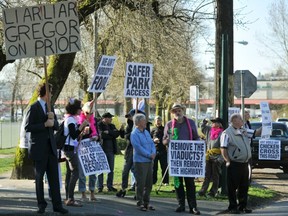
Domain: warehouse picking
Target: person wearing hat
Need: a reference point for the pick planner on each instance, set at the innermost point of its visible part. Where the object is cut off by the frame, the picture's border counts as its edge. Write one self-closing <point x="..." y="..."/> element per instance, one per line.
<point x="108" y="134"/>
<point x="92" y="134"/>
<point x="214" y="159"/>
<point x="161" y="152"/>
<point x="182" y="128"/>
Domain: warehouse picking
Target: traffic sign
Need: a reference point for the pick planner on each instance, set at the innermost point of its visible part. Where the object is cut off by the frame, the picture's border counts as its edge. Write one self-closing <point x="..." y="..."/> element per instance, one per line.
<point x="249" y="83"/>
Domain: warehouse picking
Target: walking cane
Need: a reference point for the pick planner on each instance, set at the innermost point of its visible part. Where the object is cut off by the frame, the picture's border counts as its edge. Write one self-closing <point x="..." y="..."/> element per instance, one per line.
<point x="157" y="191"/>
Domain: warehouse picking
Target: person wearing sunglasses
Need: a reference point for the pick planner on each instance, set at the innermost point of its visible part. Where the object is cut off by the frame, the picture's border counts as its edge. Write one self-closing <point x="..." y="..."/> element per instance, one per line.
<point x="91" y="133"/>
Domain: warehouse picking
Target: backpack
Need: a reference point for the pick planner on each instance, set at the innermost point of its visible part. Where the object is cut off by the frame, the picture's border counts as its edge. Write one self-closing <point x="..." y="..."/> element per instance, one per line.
<point x="59" y="136"/>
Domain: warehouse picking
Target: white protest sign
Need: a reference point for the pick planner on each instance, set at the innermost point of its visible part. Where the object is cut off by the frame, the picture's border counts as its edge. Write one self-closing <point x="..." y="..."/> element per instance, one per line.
<point x="187" y="158"/>
<point x="269" y="149"/>
<point x="41" y="30"/>
<point x="138" y="80"/>
<point x="103" y="74"/>
<point x="232" y="110"/>
<point x="24" y="136"/>
<point x="92" y="158"/>
<point x="266" y="120"/>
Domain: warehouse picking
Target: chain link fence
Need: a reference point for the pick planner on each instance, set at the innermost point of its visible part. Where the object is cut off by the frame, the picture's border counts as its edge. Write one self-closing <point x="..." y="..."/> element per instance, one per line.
<point x="9" y="134"/>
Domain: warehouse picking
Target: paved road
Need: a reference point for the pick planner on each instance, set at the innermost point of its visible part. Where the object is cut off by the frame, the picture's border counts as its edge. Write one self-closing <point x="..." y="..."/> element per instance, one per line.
<point x="17" y="197"/>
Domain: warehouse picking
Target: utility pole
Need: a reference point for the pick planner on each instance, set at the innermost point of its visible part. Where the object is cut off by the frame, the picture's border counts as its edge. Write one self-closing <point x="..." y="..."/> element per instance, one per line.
<point x="224" y="25"/>
<point x="224" y="67"/>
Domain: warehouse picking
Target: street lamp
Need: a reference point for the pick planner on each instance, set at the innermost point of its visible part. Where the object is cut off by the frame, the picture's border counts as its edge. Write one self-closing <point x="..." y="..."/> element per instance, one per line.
<point x="242" y="82"/>
<point x="242" y="42"/>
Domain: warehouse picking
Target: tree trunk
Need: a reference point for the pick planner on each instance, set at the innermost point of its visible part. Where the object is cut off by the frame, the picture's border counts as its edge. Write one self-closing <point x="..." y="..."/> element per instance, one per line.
<point x="23" y="166"/>
<point x="3" y="60"/>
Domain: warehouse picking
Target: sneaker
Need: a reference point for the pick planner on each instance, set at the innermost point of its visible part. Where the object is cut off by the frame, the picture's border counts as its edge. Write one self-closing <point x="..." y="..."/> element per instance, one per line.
<point x="194" y="211"/>
<point x="100" y="190"/>
<point x="112" y="189"/>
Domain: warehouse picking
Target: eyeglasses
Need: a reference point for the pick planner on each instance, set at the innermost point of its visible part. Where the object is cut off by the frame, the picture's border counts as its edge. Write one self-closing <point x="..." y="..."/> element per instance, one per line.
<point x="177" y="111"/>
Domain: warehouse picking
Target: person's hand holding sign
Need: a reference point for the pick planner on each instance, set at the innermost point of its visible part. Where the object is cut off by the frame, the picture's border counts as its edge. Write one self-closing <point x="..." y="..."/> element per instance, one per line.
<point x="50" y="115"/>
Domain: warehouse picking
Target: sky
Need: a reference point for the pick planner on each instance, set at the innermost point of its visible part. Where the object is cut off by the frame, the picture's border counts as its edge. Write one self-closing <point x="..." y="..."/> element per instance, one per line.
<point x="245" y="57"/>
<point x="249" y="57"/>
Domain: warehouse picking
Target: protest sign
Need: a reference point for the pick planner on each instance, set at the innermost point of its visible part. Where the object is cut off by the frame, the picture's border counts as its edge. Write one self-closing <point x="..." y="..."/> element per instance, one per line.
<point x="103" y="74"/>
<point x="266" y="120"/>
<point x="232" y="110"/>
<point x="41" y="30"/>
<point x="138" y="80"/>
<point x="24" y="136"/>
<point x="187" y="158"/>
<point x="92" y="158"/>
<point x="269" y="149"/>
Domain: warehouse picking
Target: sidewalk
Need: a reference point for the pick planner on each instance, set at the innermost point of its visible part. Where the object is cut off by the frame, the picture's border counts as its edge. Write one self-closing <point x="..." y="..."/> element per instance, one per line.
<point x="17" y="197"/>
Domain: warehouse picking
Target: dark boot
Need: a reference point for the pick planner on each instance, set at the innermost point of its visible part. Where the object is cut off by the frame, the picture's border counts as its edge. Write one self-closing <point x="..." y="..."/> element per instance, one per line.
<point x="121" y="193"/>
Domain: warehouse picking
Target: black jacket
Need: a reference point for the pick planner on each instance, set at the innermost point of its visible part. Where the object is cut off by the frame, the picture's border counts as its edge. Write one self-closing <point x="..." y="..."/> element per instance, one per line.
<point x="34" y="123"/>
<point x="158" y="132"/>
<point x="113" y="133"/>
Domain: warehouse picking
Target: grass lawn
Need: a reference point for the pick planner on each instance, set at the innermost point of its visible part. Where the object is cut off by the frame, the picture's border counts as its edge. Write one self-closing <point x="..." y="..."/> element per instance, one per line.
<point x="257" y="196"/>
<point x="6" y="159"/>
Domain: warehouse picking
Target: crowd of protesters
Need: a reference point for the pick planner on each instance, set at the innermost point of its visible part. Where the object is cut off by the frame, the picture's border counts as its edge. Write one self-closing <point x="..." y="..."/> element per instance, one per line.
<point x="145" y="149"/>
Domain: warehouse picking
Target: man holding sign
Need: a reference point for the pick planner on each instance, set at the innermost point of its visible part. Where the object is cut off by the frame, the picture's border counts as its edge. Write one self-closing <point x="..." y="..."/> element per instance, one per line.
<point x="182" y="128"/>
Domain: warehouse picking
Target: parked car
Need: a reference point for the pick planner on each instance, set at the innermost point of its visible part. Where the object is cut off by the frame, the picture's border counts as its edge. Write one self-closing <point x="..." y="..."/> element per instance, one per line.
<point x="5" y="118"/>
<point x="284" y="120"/>
<point x="279" y="132"/>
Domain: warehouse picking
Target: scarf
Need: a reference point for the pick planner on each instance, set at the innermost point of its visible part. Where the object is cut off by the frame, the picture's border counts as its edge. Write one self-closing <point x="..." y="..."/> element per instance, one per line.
<point x="91" y="120"/>
<point x="175" y="136"/>
<point x="215" y="132"/>
<point x="175" y="132"/>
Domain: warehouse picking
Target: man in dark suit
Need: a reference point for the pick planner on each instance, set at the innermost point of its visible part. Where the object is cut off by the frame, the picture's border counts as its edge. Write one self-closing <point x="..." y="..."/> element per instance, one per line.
<point x="43" y="151"/>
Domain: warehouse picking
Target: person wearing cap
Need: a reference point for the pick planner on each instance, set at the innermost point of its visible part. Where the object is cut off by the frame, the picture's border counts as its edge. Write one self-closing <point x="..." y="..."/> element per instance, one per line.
<point x="182" y="128"/>
<point x="144" y="152"/>
<point x="92" y="134"/>
<point x="161" y="152"/>
<point x="236" y="151"/>
<point x="108" y="134"/>
<point x="214" y="159"/>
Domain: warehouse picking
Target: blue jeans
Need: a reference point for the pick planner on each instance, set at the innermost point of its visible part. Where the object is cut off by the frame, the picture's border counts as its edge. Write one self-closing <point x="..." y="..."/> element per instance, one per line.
<point x="110" y="158"/>
<point x="82" y="181"/>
